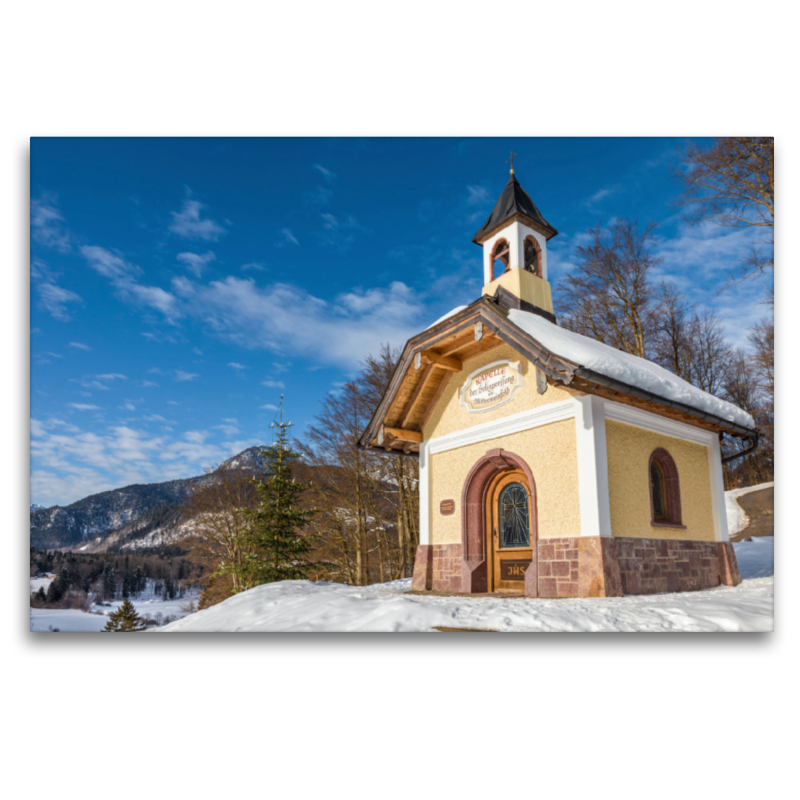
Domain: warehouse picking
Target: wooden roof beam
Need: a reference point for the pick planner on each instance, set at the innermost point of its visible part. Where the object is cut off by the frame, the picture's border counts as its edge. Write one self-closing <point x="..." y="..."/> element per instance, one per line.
<point x="415" y="400"/>
<point x="445" y="362"/>
<point x="404" y="435"/>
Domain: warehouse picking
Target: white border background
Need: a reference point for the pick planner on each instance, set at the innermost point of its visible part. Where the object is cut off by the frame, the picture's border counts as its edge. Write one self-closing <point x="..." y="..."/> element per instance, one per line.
<point x="606" y="716"/>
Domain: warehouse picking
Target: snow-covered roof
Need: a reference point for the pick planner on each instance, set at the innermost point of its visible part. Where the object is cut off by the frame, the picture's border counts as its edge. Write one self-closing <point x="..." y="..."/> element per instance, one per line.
<point x="624" y="367"/>
<point x="448" y="314"/>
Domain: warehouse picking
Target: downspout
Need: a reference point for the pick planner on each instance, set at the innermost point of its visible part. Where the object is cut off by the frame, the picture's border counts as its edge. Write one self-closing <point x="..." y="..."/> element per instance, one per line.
<point x="750" y="449"/>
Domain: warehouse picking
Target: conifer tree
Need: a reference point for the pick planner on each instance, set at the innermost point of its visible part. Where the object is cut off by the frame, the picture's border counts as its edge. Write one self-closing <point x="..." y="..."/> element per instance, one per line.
<point x="124" y="619"/>
<point x="278" y="551"/>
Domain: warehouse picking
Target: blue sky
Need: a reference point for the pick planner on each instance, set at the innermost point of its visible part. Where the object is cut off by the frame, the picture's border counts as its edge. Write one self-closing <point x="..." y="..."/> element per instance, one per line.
<point x="180" y="286"/>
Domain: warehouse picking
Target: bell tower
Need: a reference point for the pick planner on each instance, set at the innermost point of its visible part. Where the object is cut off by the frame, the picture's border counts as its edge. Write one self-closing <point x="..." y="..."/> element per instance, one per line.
<point x="514" y="240"/>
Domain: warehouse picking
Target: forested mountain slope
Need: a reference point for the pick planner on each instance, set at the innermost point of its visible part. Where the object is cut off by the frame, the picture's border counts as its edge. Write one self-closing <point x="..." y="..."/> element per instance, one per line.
<point x="141" y="515"/>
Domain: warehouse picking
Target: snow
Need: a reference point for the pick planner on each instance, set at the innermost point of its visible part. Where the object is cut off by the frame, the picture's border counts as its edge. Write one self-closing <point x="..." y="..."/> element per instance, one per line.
<point x="306" y="606"/>
<point x="43" y="583"/>
<point x="624" y="367"/>
<point x="147" y="605"/>
<point x="448" y="314"/>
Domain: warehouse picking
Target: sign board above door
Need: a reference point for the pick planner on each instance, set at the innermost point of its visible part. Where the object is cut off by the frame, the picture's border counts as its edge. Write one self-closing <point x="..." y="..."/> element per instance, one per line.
<point x="491" y="386"/>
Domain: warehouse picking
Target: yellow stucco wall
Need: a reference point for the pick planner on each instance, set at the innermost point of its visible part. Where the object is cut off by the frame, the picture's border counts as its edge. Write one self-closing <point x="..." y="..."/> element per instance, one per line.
<point x="550" y="453"/>
<point x="629" y="449"/>
<point x="450" y="416"/>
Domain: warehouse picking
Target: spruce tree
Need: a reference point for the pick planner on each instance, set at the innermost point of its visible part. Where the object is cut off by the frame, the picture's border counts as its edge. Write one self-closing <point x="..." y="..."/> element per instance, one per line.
<point x="124" y="619"/>
<point x="278" y="551"/>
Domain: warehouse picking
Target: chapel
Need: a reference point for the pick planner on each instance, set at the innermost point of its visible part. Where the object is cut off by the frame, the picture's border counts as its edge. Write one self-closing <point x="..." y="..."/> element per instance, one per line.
<point x="552" y="465"/>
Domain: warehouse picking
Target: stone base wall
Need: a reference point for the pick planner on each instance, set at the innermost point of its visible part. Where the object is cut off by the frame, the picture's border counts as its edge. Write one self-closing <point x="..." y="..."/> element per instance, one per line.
<point x="648" y="566"/>
<point x="558" y="567"/>
<point x="596" y="566"/>
<point x="446" y="568"/>
<point x="437" y="568"/>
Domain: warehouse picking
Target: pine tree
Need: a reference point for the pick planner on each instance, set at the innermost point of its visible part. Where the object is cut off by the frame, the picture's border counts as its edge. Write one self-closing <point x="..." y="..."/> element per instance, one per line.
<point x="124" y="619"/>
<point x="278" y="551"/>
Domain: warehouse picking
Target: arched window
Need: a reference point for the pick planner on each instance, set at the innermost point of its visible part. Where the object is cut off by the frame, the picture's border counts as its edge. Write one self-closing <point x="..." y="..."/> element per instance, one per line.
<point x="500" y="254"/>
<point x="514" y="521"/>
<point x="532" y="255"/>
<point x="665" y="494"/>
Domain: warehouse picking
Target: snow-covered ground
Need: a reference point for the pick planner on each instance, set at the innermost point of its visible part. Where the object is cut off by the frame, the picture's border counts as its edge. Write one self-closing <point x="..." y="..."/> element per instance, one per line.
<point x="43" y="583"/>
<point x="306" y="606"/>
<point x="69" y="620"/>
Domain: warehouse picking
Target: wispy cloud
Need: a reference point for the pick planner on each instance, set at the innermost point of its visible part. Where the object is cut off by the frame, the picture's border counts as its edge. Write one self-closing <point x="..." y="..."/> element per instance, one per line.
<point x="234" y="365"/>
<point x="287" y="237"/>
<point x="273" y="384"/>
<point x="80" y="346"/>
<point x="53" y="298"/>
<point x="196" y="263"/>
<point x="269" y="407"/>
<point x="123" y="275"/>
<point x="477" y="195"/>
<point x="47" y="224"/>
<point x="329" y="175"/>
<point x="254" y="265"/>
<point x="181" y="376"/>
<point x="592" y="202"/>
<point x="289" y="321"/>
<point x="84" y="407"/>
<point x="188" y="223"/>
<point x="339" y="232"/>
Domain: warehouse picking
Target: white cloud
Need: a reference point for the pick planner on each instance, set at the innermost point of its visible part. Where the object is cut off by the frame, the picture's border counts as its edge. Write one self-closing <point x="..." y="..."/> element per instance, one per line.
<point x="80" y="346"/>
<point x="84" y="407"/>
<point x="196" y="263"/>
<point x="228" y="430"/>
<point x="597" y="197"/>
<point x="339" y="233"/>
<point x="288" y="238"/>
<point x="71" y="463"/>
<point x="255" y="265"/>
<point x="477" y="195"/>
<point x="123" y="274"/>
<point x="289" y="321"/>
<point x="47" y="224"/>
<point x="52" y="298"/>
<point x="329" y="175"/>
<point x="187" y="223"/>
<point x="148" y="383"/>
<point x="128" y="407"/>
<point x="273" y="384"/>
<point x="111" y="376"/>
<point x="180" y="375"/>
<point x="234" y="365"/>
<point x="270" y="407"/>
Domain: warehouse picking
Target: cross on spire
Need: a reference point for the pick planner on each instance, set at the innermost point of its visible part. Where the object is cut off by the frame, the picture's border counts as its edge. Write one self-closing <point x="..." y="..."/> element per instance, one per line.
<point x="510" y="160"/>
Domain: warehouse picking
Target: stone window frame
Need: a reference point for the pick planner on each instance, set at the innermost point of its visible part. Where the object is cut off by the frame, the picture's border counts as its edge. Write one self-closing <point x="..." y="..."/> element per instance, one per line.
<point x="538" y="248"/>
<point x="672" y="490"/>
<point x="504" y="257"/>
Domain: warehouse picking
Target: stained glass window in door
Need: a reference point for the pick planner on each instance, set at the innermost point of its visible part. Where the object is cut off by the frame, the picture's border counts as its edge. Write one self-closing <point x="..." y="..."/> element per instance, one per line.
<point x="514" y="522"/>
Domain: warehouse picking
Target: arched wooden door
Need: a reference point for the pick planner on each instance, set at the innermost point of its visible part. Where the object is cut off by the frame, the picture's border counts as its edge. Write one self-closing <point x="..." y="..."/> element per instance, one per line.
<point x="510" y="538"/>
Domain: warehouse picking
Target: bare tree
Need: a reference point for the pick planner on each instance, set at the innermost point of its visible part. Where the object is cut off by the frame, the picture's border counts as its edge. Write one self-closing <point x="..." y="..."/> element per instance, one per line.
<point x="608" y="294"/>
<point x="732" y="183"/>
<point x="397" y="476"/>
<point x="217" y="529"/>
<point x="342" y="484"/>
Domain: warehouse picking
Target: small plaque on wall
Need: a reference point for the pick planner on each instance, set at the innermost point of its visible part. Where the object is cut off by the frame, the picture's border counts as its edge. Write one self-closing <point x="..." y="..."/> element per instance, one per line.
<point x="447" y="507"/>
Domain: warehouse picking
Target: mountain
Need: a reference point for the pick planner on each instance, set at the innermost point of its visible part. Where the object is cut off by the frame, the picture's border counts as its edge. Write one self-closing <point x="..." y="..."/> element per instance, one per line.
<point x="141" y="515"/>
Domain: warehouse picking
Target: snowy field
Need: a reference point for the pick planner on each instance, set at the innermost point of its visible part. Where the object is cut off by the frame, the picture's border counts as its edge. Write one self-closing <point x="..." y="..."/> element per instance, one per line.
<point x="328" y="607"/>
<point x="69" y="620"/>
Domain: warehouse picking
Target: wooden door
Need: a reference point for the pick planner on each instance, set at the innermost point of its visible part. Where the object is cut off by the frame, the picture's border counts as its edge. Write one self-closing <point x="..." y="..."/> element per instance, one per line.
<point x="511" y="539"/>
